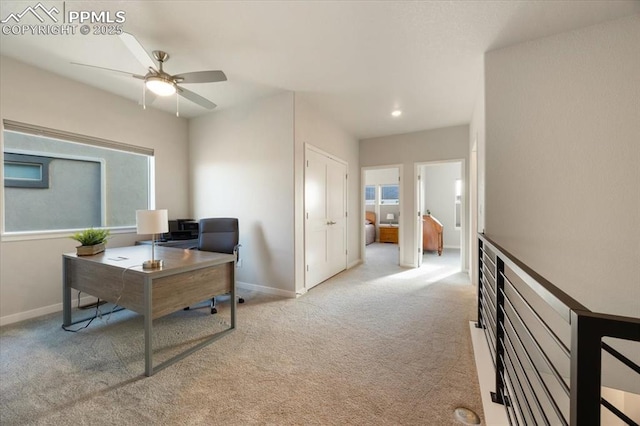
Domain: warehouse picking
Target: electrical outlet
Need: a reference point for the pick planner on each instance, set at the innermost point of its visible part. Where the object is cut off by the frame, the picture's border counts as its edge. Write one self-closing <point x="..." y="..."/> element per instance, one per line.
<point x="239" y="264"/>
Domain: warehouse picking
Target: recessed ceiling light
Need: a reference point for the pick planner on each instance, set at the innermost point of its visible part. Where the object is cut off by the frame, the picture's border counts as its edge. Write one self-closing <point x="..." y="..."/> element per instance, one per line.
<point x="396" y="113"/>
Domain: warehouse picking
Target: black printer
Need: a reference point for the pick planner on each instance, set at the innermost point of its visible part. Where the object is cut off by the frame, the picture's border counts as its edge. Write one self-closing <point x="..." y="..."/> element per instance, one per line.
<point x="182" y="229"/>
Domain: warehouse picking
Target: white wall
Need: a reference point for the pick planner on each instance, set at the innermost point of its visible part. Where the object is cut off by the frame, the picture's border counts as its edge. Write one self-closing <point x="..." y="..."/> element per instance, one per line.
<point x="31" y="270"/>
<point x="381" y="176"/>
<point x="450" y="143"/>
<point x="439" y="182"/>
<point x="563" y="160"/>
<point x="241" y="163"/>
<point x="311" y="127"/>
<point x="476" y="177"/>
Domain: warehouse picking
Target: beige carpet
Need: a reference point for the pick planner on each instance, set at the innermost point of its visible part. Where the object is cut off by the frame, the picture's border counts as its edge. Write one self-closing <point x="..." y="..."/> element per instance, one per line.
<point x="376" y="345"/>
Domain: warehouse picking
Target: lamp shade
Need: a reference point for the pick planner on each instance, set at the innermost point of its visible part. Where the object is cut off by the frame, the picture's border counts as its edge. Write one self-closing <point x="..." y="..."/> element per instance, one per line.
<point x="390" y="216"/>
<point x="152" y="221"/>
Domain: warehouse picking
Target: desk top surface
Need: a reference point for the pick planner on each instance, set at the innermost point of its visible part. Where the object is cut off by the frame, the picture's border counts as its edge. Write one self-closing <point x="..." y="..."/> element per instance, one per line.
<point x="175" y="260"/>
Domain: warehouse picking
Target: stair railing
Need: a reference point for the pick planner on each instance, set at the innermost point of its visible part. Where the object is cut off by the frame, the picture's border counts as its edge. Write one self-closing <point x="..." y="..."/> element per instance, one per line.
<point x="546" y="347"/>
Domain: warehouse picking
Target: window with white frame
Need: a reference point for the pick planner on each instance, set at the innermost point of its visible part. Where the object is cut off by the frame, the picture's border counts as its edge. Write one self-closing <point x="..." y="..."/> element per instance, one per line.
<point x="389" y="194"/>
<point x="370" y="195"/>
<point x="55" y="180"/>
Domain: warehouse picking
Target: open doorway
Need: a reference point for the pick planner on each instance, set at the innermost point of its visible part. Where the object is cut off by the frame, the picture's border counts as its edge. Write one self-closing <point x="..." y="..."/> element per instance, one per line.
<point x="441" y="222"/>
<point x="382" y="202"/>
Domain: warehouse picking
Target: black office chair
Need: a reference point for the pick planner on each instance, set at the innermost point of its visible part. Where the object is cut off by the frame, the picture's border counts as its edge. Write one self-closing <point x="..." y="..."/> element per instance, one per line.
<point x="219" y="235"/>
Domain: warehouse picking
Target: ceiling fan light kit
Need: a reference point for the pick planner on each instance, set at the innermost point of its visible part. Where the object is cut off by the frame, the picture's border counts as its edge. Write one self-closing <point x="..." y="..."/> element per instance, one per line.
<point x="160" y="86"/>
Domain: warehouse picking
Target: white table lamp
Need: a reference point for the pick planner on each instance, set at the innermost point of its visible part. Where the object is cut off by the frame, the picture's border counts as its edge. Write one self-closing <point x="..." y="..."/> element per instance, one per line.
<point x="152" y="222"/>
<point x="390" y="217"/>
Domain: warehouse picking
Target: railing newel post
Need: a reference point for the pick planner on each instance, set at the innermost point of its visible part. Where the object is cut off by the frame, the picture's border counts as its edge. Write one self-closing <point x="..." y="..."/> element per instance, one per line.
<point x="499" y="395"/>
<point x="480" y="322"/>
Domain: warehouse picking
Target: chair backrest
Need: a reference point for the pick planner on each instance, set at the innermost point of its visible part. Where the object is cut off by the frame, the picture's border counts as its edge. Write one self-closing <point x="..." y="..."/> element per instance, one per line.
<point x="218" y="234"/>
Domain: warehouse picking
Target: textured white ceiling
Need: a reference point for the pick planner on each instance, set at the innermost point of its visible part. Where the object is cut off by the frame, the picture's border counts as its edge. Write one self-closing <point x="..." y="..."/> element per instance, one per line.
<point x="355" y="60"/>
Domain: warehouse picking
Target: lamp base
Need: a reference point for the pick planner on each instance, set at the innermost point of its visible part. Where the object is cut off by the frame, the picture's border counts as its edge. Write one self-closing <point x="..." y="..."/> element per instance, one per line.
<point x="152" y="264"/>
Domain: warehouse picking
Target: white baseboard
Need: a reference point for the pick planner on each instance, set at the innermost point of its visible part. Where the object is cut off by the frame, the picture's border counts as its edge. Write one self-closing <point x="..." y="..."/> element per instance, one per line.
<point x="45" y="310"/>
<point x="354" y="263"/>
<point x="494" y="414"/>
<point x="266" y="290"/>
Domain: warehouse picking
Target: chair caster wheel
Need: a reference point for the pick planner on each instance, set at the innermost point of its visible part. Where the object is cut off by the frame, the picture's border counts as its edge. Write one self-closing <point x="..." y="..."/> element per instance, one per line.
<point x="214" y="311"/>
<point x="240" y="300"/>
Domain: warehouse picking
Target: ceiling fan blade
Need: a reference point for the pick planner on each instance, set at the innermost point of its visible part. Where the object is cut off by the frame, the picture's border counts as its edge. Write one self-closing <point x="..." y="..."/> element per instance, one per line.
<point x="110" y="69"/>
<point x="201" y="77"/>
<point x="138" y="51"/>
<point x="194" y="97"/>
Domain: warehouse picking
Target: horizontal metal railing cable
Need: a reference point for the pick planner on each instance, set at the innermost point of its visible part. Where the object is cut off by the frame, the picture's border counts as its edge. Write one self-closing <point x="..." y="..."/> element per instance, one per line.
<point x="509" y="399"/>
<point x="491" y="274"/>
<point x="491" y="292"/>
<point x="488" y="259"/>
<point x="491" y="309"/>
<point x="622" y="416"/>
<point x="539" y="349"/>
<point x="492" y="344"/>
<point x="537" y="374"/>
<point x="557" y="299"/>
<point x="491" y="316"/>
<point x="521" y="374"/>
<point x="548" y="329"/>
<point x="623" y="359"/>
<point x="513" y="395"/>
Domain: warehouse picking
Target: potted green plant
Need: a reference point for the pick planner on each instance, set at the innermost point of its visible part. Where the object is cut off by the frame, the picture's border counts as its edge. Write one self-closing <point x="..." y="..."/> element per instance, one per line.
<point x="92" y="241"/>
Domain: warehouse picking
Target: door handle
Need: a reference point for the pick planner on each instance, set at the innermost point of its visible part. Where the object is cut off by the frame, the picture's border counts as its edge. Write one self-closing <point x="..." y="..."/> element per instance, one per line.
<point x="330" y="222"/>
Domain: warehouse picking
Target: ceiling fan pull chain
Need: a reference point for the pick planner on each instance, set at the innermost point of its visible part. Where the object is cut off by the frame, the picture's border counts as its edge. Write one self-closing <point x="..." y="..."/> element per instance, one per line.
<point x="177" y="104"/>
<point x="144" y="97"/>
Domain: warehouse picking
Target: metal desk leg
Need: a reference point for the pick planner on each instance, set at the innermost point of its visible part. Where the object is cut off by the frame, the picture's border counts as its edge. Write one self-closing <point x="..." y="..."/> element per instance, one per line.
<point x="148" y="329"/>
<point x="233" y="295"/>
<point x="66" y="294"/>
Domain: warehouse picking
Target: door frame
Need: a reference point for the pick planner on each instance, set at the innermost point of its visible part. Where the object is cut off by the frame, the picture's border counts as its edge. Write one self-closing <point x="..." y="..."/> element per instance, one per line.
<point x="308" y="146"/>
<point x="463" y="208"/>
<point x="363" y="209"/>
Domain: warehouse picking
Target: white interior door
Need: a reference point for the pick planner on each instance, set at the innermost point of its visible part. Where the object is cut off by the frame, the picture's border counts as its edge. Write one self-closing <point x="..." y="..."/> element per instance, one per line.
<point x="336" y="217"/>
<point x="325" y="211"/>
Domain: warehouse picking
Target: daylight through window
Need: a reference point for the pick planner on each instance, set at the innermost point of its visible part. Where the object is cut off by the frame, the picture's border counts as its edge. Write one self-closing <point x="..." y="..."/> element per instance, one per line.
<point x="370" y="195"/>
<point x="61" y="181"/>
<point x="389" y="194"/>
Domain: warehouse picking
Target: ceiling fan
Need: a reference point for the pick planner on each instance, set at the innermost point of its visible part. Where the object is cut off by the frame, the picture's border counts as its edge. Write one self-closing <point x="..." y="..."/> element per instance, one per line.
<point x="158" y="81"/>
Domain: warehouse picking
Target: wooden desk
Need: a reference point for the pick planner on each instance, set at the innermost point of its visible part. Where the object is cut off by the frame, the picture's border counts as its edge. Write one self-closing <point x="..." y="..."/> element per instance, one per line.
<point x="116" y="275"/>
